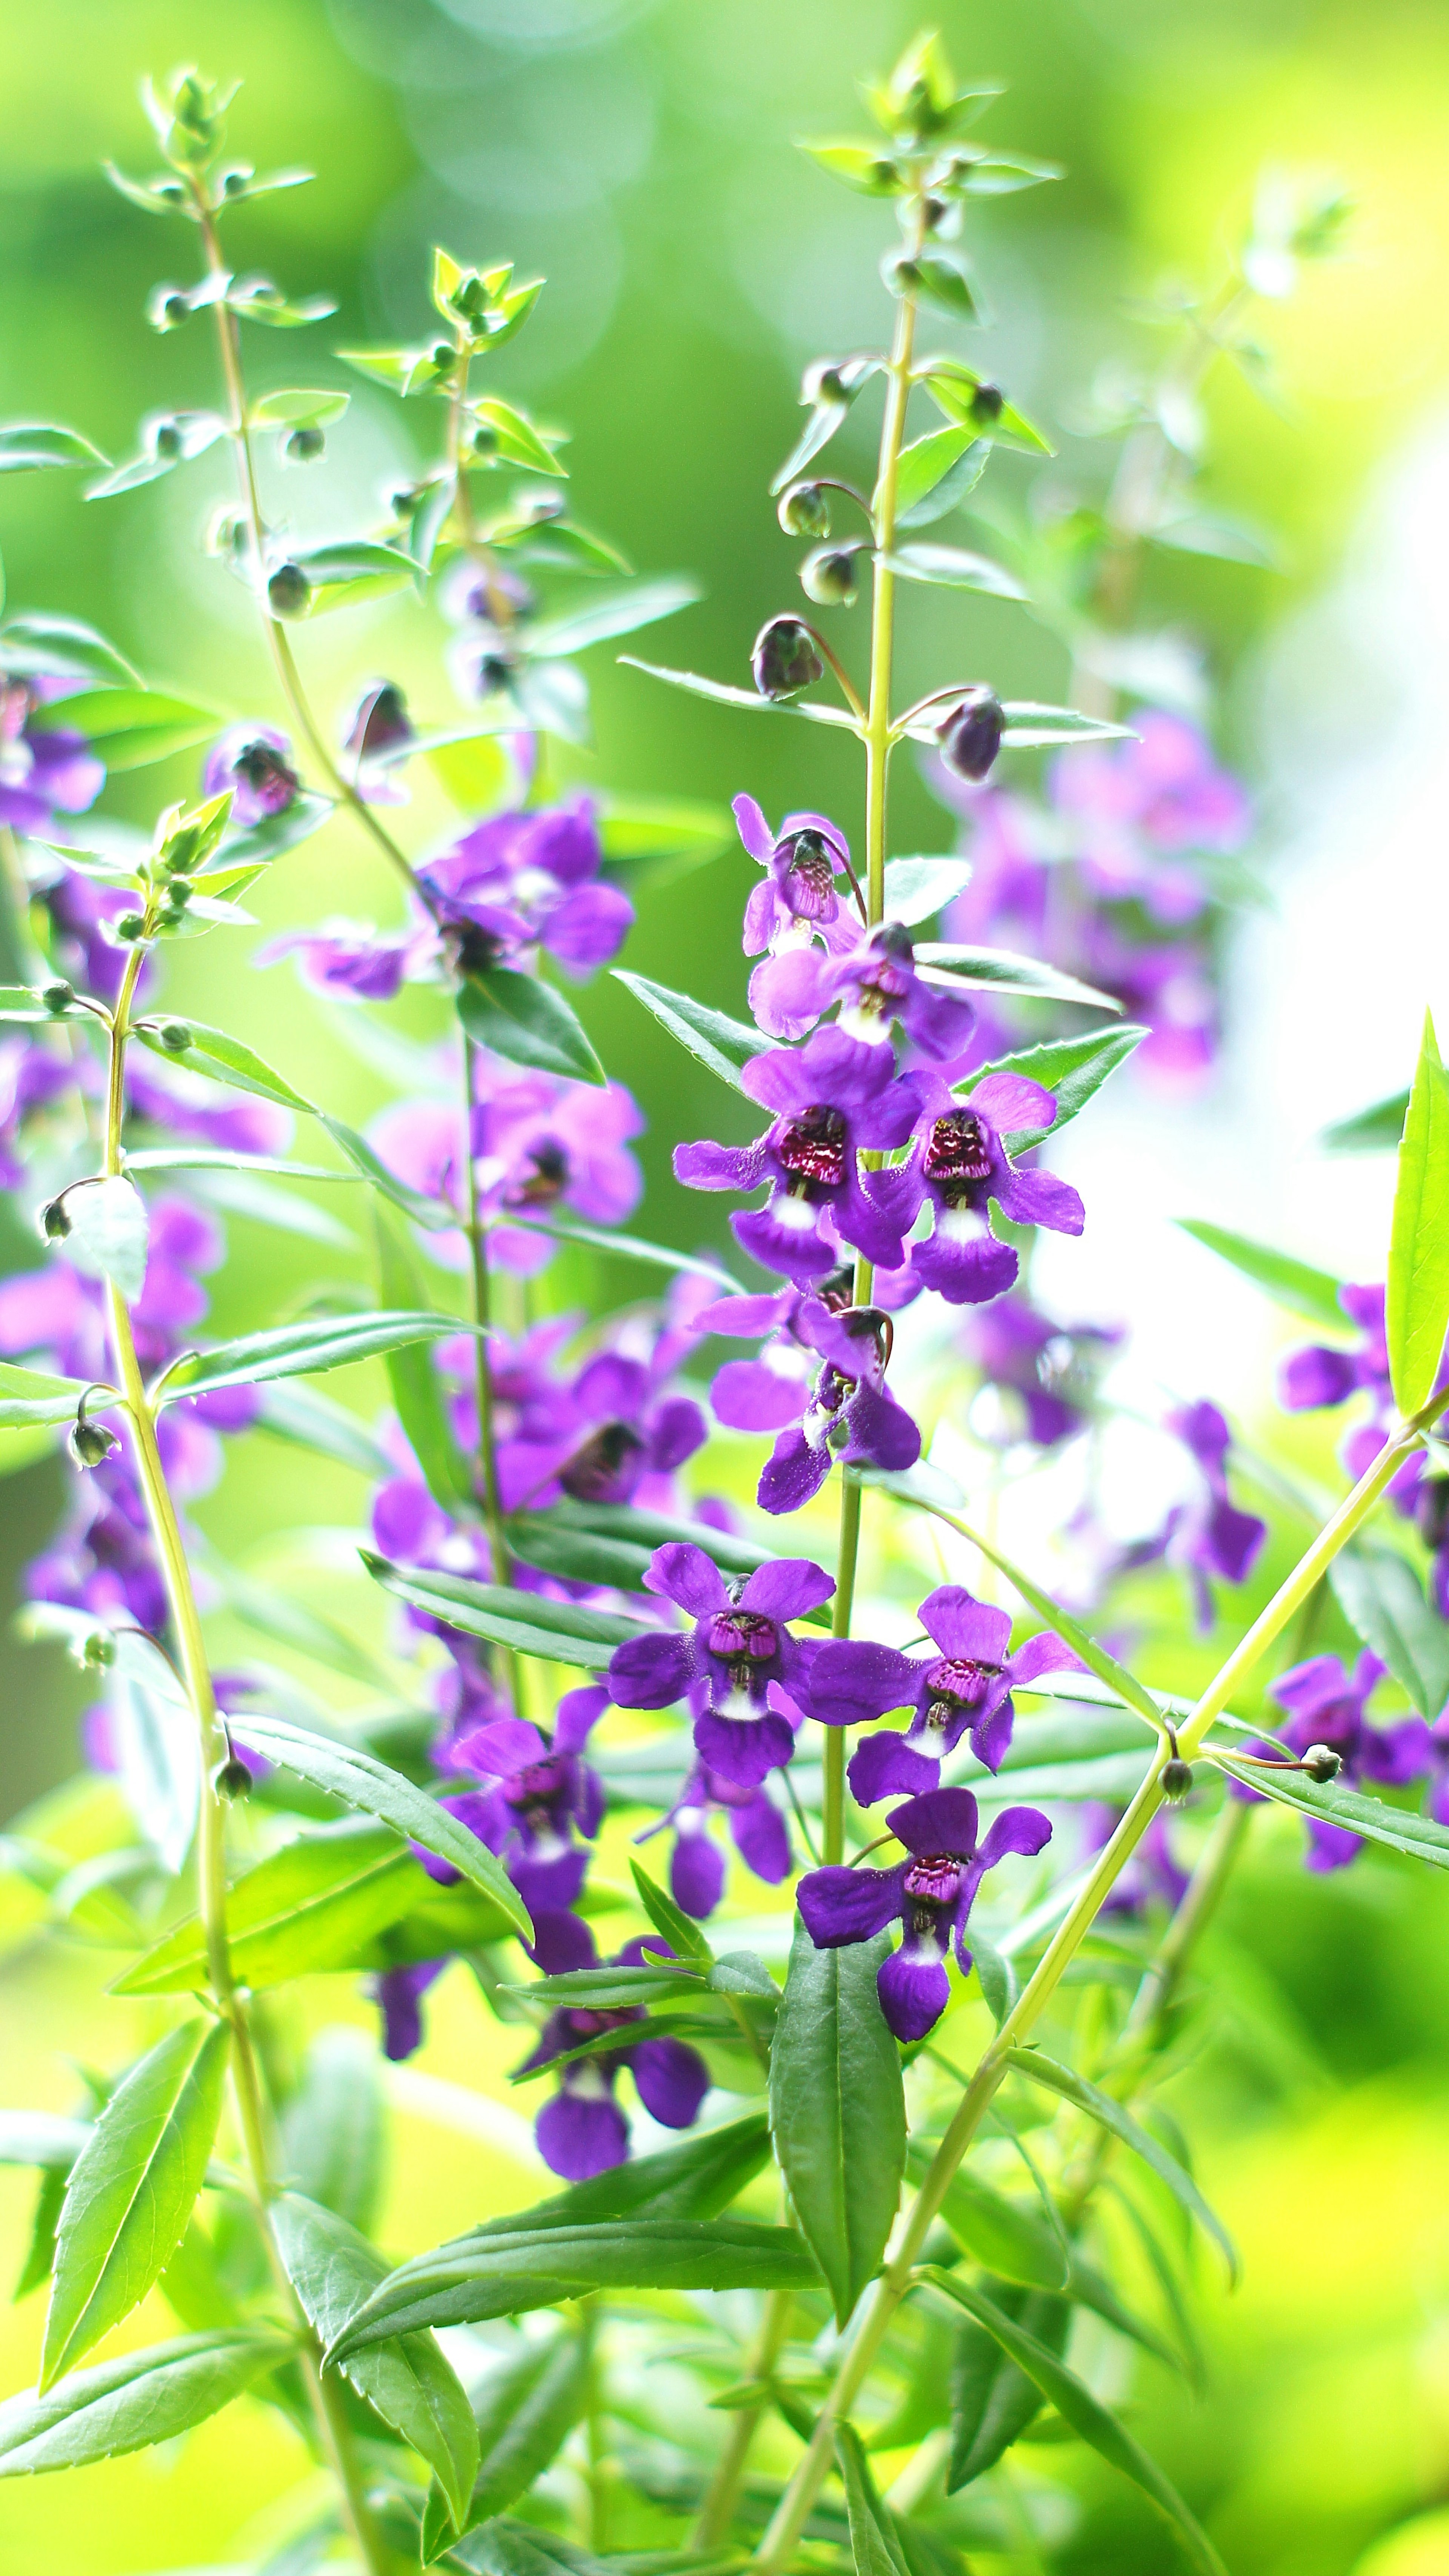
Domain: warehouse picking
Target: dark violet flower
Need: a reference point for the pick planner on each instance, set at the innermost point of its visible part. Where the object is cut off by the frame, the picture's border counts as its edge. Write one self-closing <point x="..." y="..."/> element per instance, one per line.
<point x="877" y="984"/>
<point x="350" y="960"/>
<point x="618" y="1434"/>
<point x="398" y="1994"/>
<point x="374" y="740"/>
<point x="964" y="1690"/>
<point x="697" y="1865"/>
<point x="1041" y="1376"/>
<point x="1209" y="1535"/>
<point x="830" y="1097"/>
<point x="851" y="1415"/>
<point x="43" y="771"/>
<point x="1326" y="1705"/>
<point x="1138" y="809"/>
<point x="796" y="904"/>
<point x="254" y="763"/>
<point x="744" y="1676"/>
<point x="582" y="2130"/>
<point x="528" y="879"/>
<point x="539" y="1793"/>
<point x="960" y="1164"/>
<point x="930" y="1894"/>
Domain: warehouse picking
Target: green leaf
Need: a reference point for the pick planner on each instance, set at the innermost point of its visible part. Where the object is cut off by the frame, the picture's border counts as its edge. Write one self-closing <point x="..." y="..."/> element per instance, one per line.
<point x="215" y="1052"/>
<point x="1095" y="1657"/>
<point x="661" y="828"/>
<point x="925" y="463"/>
<point x="695" y="2180"/>
<point x="956" y="388"/>
<point x="628" y="1247"/>
<point x="917" y="889"/>
<point x="1398" y="1828"/>
<point x="1071" y="1069"/>
<point x="247" y="1195"/>
<point x="828" y="409"/>
<point x="333" y="2271"/>
<point x="133" y="2402"/>
<point x="27" y="443"/>
<point x="107" y="1238"/>
<point x="516" y="437"/>
<point x="951" y="490"/>
<point x="723" y="695"/>
<point x="41" y="2138"/>
<point x="619" y="611"/>
<point x="873" y="2542"/>
<point x="1029" y="726"/>
<point x="300" y="1350"/>
<point x="1373" y="1131"/>
<point x="1003" y="970"/>
<point x="361" y="1781"/>
<point x="952" y="567"/>
<point x="527" y="1022"/>
<point x="615" y="1989"/>
<point x="713" y="1039"/>
<point x="676" y="1927"/>
<point x="992" y="2401"/>
<point x="1078" y="2407"/>
<point x="1002" y="2235"/>
<point x="612" y="1543"/>
<point x="943" y="283"/>
<point x="837" y="2110"/>
<point x="1109" y="2114"/>
<point x="1417" y="1310"/>
<point x="860" y="165"/>
<point x="30" y="1396"/>
<point x="501" y="2275"/>
<point x="561" y="1632"/>
<point x="417" y="1393"/>
<point x="333" y="2140"/>
<point x="505" y="2547"/>
<point x="351" y="574"/>
<point x="299" y="407"/>
<point x="257" y="843"/>
<point x="128" y="728"/>
<point x="132" y="2189"/>
<point x="1383" y="1601"/>
<point x="41" y="645"/>
<point x="434" y="1215"/>
<point x="1294" y="1284"/>
<point x="303" y="1910"/>
<point x="525" y="2413"/>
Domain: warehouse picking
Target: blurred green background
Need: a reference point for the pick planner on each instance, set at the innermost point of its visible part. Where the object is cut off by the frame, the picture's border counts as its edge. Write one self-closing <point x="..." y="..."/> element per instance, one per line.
<point x="640" y="156"/>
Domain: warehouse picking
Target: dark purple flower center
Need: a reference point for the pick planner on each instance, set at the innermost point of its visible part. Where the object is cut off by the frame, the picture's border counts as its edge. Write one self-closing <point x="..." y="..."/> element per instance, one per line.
<point x="933" y="1881"/>
<point x="536" y="1782"/>
<point x="807" y="879"/>
<point x="471" y="949"/>
<point x="271" y="779"/>
<point x="544" y="1177"/>
<point x="957" y="1153"/>
<point x="588" y="2025"/>
<point x="813" y="1146"/>
<point x="956" y="1682"/>
<point x="742" y="1636"/>
<point x="595" y="1472"/>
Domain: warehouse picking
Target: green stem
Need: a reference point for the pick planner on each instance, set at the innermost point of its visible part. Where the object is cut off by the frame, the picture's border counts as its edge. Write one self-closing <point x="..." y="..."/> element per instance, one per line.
<point x="498" y="1549"/>
<point x="717" y="2511"/>
<point x="326" y="2400"/>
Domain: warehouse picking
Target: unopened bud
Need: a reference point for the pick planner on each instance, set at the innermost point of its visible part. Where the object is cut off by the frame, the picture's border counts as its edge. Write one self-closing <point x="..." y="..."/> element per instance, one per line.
<point x="784" y="660"/>
<point x="483" y="439"/>
<point x="804" y="511"/>
<point x="55" y="1223"/>
<point x="303" y="446"/>
<point x="90" y="1442"/>
<point x="174" y="1035"/>
<point x="130" y="926"/>
<point x="1175" y="1780"/>
<point x="56" y="996"/>
<point x="987" y="403"/>
<point x="289" y="592"/>
<point x="96" y="1652"/>
<point x="1322" y="1764"/>
<point x="829" y="576"/>
<point x="970" y="738"/>
<point x="233" y="1779"/>
<point x="166" y="438"/>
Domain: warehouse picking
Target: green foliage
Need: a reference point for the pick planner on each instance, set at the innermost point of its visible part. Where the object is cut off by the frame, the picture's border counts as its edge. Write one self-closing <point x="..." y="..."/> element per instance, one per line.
<point x="837" y="2111"/>
<point x="1418" y="1290"/>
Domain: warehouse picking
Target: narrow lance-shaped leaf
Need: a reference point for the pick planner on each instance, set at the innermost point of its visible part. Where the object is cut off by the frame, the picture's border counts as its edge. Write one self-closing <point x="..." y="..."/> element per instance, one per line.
<point x="1100" y="2106"/>
<point x="301" y="1911"/>
<point x="127" y="728"/>
<point x="528" y="1023"/>
<point x="1397" y="1828"/>
<point x="711" y="1037"/>
<point x="992" y="2400"/>
<point x="31" y="1396"/>
<point x="837" y="2110"/>
<point x="1383" y="1601"/>
<point x="1417" y="1308"/>
<point x="301" y="1350"/>
<point x="873" y="2542"/>
<point x="525" y="2413"/>
<point x="417" y="1392"/>
<point x="1095" y="1657"/>
<point x="1073" y="1070"/>
<point x="133" y="2402"/>
<point x="726" y="696"/>
<point x="1087" y="2418"/>
<point x="132" y="2189"/>
<point x="1294" y="1284"/>
<point x="559" y="1631"/>
<point x="1378" y="1130"/>
<point x="333" y="2127"/>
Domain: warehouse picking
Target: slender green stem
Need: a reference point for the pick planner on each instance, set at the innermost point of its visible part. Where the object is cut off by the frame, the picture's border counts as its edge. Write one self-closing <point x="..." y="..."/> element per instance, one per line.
<point x="717" y="2511"/>
<point x="325" y="2396"/>
<point x="498" y="1549"/>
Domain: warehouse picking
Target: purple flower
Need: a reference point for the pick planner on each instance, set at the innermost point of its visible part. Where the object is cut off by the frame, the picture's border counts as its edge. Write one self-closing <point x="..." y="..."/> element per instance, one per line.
<point x="1327" y="1705"/>
<point x="617" y="1435"/>
<point x="349" y="959"/>
<point x="542" y="1144"/>
<point x="42" y="771"/>
<point x="930" y="1894"/>
<point x="960" y="1164"/>
<point x="964" y="1690"/>
<point x="830" y="1097"/>
<point x="877" y="983"/>
<point x="1138" y="808"/>
<point x="254" y="763"/>
<point x="1170" y="984"/>
<point x="375" y="739"/>
<point x="743" y="1675"/>
<point x="765" y="1393"/>
<point x="530" y="879"/>
<point x="582" y="2131"/>
<point x="796" y="905"/>
<point x="850" y="1417"/>
<point x="1208" y="1536"/>
<point x="697" y="1865"/>
<point x="1042" y="1374"/>
<point x="398" y="1993"/>
<point x="540" y="1792"/>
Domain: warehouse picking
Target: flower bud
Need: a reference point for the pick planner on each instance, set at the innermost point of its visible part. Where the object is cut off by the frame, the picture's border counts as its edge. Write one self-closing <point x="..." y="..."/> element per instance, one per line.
<point x="804" y="511"/>
<point x="166" y="439"/>
<point x="784" y="660"/>
<point x="823" y="383"/>
<point x="96" y="1652"/>
<point x="1175" y="1780"/>
<point x="90" y="1442"/>
<point x="55" y="996"/>
<point x="303" y="446"/>
<point x="232" y="1779"/>
<point x="829" y="576"/>
<point x="289" y="592"/>
<point x="539" y="506"/>
<point x="228" y="535"/>
<point x="987" y="403"/>
<point x="174" y="1035"/>
<point x="1322" y="1764"/>
<point x="167" y="307"/>
<point x="129" y="927"/>
<point x="970" y="737"/>
<point x="55" y="1220"/>
<point x="379" y="722"/>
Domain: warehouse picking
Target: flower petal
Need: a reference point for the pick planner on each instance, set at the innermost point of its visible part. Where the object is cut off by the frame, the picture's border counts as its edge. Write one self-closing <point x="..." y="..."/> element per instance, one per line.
<point x="853" y="1681"/>
<point x="581" y="2135"/>
<point x="974" y="1631"/>
<point x="683" y="1573"/>
<point x="944" y="1820"/>
<point x="788" y="1588"/>
<point x="884" y="1765"/>
<point x="671" y="2080"/>
<point x="744" y="1750"/>
<point x="914" y="1990"/>
<point x="838" y="1906"/>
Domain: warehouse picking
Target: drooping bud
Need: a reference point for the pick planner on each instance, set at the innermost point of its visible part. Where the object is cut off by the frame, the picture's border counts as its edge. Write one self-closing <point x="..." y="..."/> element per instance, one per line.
<point x="166" y="438"/>
<point x="289" y="592"/>
<point x="56" y="996"/>
<point x="174" y="1035"/>
<point x="987" y="403"/>
<point x="129" y="927"/>
<point x="1322" y="1764"/>
<point x="91" y="1442"/>
<point x="232" y="1779"/>
<point x="55" y="1222"/>
<point x="379" y="722"/>
<point x="829" y="576"/>
<point x="804" y="511"/>
<point x="970" y="737"/>
<point x="303" y="446"/>
<point x="1175" y="1780"/>
<point x="96" y="1651"/>
<point x="784" y="660"/>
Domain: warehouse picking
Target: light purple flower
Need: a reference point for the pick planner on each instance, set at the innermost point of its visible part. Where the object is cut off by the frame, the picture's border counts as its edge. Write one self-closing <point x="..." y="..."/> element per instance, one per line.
<point x="1326" y="1705"/>
<point x="1169" y="983"/>
<point x="254" y="763"/>
<point x="1208" y="1535"/>
<point x="527" y="879"/>
<point x="796" y="905"/>
<point x="351" y="961"/>
<point x="830" y="1097"/>
<point x="1153" y="1875"/>
<point x="1044" y="1374"/>
<point x="1137" y="810"/>
<point x="877" y="984"/>
<point x="617" y="1432"/>
<point x="959" y="1165"/>
<point x="743" y="1675"/>
<point x="542" y="1144"/>
<point x="697" y="1865"/>
<point x="964" y="1690"/>
<point x="930" y="1893"/>
<point x="582" y="2130"/>
<point x="42" y="772"/>
<point x="540" y="1793"/>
